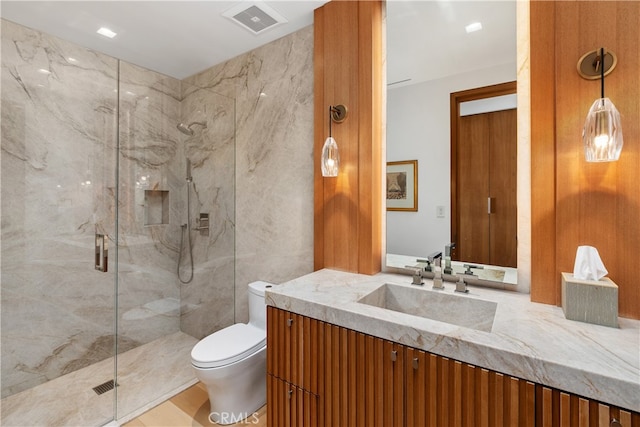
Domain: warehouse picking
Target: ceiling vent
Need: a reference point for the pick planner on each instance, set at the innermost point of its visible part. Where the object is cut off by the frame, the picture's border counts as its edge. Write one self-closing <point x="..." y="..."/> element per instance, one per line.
<point x="255" y="17"/>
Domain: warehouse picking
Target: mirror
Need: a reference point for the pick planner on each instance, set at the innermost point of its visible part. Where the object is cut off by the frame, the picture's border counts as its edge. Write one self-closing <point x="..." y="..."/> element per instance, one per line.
<point x="430" y="56"/>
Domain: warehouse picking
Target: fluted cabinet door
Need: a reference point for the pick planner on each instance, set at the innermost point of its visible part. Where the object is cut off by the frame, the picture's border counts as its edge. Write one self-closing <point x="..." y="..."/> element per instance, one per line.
<point x="363" y="381"/>
<point x="555" y="408"/>
<point x="445" y="392"/>
<point x="289" y="337"/>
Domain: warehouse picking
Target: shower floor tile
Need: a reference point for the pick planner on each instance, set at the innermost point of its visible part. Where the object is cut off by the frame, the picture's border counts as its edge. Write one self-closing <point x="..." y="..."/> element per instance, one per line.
<point x="147" y="375"/>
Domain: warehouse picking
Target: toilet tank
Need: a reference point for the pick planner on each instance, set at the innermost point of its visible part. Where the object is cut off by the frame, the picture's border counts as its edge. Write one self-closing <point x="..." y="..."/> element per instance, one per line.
<point x="257" y="306"/>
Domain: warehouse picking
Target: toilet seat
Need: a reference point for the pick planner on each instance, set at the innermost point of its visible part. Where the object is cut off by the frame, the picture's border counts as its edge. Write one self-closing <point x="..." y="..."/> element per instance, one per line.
<point x="228" y="345"/>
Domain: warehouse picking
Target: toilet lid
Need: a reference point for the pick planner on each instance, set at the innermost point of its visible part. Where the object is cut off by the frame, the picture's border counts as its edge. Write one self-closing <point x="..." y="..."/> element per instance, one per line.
<point x="228" y="345"/>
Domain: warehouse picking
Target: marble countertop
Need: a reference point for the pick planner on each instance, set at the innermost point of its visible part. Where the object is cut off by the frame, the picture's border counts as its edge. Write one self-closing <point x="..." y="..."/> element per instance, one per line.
<point x="528" y="340"/>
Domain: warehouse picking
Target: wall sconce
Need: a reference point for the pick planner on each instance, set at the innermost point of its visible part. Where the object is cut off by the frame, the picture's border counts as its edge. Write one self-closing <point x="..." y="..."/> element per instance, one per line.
<point x="602" y="132"/>
<point x="330" y="160"/>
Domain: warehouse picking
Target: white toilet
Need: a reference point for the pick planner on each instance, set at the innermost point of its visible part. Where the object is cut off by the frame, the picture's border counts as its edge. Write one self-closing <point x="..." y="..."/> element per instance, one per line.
<point x="232" y="363"/>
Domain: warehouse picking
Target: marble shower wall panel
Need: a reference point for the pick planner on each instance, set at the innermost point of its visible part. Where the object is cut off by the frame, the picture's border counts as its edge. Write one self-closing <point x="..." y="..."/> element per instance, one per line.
<point x="151" y="159"/>
<point x="207" y="303"/>
<point x="58" y="161"/>
<point x="273" y="88"/>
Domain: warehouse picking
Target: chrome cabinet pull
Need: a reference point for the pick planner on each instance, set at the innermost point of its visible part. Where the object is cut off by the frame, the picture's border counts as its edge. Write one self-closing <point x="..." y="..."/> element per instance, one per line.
<point x="490" y="205"/>
<point x="415" y="363"/>
<point x="289" y="322"/>
<point x="615" y="423"/>
<point x="102" y="253"/>
<point x="394" y="355"/>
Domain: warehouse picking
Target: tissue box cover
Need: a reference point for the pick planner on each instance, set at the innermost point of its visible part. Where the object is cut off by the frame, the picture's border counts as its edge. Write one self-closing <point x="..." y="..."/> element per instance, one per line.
<point x="591" y="301"/>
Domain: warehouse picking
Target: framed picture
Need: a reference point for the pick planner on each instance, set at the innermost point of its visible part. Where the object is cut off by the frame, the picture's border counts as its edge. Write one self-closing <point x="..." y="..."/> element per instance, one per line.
<point x="402" y="186"/>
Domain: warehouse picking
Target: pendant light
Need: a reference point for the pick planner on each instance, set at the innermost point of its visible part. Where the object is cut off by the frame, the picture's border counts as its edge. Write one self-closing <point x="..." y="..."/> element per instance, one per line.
<point x="602" y="132"/>
<point x="330" y="161"/>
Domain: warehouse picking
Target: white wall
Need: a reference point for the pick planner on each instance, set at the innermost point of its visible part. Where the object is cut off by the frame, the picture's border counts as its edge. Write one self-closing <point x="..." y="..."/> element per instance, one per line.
<point x="418" y="127"/>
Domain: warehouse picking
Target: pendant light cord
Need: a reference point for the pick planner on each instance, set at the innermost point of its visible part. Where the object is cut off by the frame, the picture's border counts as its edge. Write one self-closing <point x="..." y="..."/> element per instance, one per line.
<point x="602" y="72"/>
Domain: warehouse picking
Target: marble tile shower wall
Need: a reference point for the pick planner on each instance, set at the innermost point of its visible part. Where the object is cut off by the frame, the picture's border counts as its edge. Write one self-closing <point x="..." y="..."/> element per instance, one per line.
<point x="151" y="199"/>
<point x="273" y="89"/>
<point x="207" y="303"/>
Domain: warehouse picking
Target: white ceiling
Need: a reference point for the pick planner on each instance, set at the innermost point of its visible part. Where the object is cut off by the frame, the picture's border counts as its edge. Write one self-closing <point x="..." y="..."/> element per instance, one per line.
<point x="426" y="39"/>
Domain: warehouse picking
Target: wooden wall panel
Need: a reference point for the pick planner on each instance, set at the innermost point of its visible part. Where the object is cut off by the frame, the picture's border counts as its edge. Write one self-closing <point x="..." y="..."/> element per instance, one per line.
<point x="348" y="70"/>
<point x="370" y="142"/>
<point x="543" y="153"/>
<point x="595" y="204"/>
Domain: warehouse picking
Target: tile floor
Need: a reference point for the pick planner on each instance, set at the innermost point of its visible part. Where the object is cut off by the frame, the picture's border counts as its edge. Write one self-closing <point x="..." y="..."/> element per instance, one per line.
<point x="189" y="408"/>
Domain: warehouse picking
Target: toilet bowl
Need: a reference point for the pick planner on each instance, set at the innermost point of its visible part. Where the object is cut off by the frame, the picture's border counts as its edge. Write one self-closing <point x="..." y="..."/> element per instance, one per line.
<point x="232" y="363"/>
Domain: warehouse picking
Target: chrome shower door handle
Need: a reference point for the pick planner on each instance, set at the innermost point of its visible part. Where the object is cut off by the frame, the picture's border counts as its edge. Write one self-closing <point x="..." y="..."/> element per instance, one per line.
<point x="102" y="253"/>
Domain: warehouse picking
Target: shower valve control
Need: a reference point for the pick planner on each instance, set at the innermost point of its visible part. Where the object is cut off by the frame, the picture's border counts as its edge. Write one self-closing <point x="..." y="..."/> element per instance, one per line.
<point x="203" y="224"/>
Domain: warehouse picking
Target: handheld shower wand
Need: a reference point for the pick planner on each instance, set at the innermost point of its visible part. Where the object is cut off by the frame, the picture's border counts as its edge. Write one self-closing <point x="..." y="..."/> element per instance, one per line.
<point x="187" y="228"/>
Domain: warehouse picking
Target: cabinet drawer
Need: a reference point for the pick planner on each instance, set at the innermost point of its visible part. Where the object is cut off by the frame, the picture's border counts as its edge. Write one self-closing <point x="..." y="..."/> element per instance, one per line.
<point x="293" y="341"/>
<point x="290" y="406"/>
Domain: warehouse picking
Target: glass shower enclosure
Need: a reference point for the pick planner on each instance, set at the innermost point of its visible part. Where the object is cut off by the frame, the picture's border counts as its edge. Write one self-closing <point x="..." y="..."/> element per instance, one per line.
<point x="96" y="324"/>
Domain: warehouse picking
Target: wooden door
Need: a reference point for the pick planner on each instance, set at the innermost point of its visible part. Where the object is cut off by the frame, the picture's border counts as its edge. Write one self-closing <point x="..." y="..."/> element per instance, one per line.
<point x="486" y="192"/>
<point x="473" y="189"/>
<point x="503" y="228"/>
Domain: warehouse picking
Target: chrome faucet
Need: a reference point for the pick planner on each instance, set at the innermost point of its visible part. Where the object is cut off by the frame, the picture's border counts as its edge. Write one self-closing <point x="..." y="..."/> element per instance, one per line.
<point x="433" y="260"/>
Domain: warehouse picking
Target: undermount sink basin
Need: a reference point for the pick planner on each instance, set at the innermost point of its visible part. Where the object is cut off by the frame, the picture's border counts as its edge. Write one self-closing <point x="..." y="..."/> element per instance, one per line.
<point x="435" y="305"/>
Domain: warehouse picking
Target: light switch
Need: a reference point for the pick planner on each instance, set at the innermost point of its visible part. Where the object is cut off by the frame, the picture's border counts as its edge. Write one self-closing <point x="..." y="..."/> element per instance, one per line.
<point x="440" y="211"/>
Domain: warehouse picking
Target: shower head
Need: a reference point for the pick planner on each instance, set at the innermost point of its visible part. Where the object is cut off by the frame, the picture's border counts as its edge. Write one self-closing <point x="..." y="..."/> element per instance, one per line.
<point x="186" y="129"/>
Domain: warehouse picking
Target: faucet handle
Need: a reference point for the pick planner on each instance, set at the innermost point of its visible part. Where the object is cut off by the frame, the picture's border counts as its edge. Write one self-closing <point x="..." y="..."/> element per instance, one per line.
<point x="417" y="277"/>
<point x="461" y="285"/>
<point x="437" y="279"/>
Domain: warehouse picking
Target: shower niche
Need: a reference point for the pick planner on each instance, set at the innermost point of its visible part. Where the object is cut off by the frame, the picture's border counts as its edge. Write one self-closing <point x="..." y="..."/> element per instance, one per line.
<point x="156" y="207"/>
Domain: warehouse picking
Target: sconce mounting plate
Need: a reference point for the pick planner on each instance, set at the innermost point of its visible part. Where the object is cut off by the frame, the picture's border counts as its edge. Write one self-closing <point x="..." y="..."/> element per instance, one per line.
<point x="338" y="113"/>
<point x="589" y="64"/>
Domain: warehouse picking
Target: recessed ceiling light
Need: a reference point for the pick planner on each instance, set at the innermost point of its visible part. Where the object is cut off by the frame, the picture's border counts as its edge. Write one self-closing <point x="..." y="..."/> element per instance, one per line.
<point x="476" y="26"/>
<point x="106" y="32"/>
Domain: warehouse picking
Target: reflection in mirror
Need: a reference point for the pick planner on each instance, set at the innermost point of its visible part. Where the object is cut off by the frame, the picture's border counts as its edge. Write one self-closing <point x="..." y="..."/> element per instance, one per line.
<point x="429" y="56"/>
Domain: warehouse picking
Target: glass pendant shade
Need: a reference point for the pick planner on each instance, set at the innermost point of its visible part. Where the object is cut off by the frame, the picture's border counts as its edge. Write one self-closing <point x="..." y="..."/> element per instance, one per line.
<point x="602" y="133"/>
<point x="330" y="158"/>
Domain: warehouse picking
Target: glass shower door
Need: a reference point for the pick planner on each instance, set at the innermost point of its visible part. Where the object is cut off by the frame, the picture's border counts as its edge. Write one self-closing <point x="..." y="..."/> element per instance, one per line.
<point x="58" y="193"/>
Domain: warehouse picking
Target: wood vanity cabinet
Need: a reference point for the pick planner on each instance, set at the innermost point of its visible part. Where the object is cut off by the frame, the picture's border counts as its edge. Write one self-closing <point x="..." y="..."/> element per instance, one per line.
<point x="325" y="375"/>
